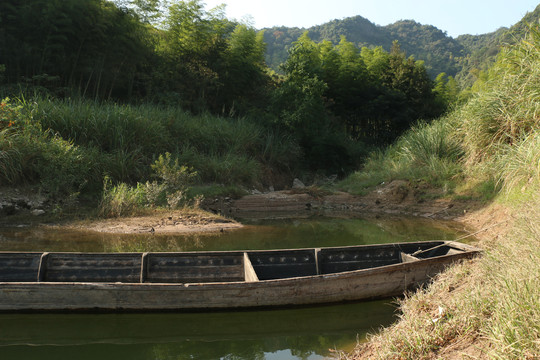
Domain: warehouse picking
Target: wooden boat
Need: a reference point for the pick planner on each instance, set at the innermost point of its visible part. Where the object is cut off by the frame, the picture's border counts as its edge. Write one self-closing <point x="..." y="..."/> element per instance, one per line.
<point x="184" y="281"/>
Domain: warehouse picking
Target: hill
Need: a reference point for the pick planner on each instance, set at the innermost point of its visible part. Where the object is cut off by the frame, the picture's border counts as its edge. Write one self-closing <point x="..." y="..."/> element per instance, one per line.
<point x="462" y="57"/>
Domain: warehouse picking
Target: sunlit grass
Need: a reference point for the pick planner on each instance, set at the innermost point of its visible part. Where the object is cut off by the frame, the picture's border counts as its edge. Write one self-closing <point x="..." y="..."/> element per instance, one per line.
<point x="427" y="152"/>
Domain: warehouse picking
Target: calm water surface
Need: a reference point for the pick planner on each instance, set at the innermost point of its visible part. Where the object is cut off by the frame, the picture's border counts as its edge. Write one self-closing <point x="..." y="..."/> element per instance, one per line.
<point x="301" y="333"/>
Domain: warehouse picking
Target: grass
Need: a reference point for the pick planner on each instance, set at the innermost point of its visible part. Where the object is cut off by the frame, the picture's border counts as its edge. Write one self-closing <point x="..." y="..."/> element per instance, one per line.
<point x="494" y="300"/>
<point x="10" y="157"/>
<point x="130" y="138"/>
<point x="69" y="146"/>
<point x="488" y="308"/>
<point x="427" y="152"/>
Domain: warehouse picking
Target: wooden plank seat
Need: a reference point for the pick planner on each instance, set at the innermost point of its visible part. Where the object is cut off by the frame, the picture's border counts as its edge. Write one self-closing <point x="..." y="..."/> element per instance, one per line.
<point x="194" y="268"/>
<point x="439" y="250"/>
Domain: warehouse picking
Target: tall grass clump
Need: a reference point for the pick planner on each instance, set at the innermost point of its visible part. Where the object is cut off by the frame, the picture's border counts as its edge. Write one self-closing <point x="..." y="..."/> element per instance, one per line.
<point x="30" y="154"/>
<point x="11" y="169"/>
<point x="121" y="200"/>
<point x="506" y="110"/>
<point x="431" y="150"/>
<point x="222" y="150"/>
<point x="169" y="190"/>
<point x="518" y="166"/>
<point x="512" y="271"/>
<point x="10" y="157"/>
<point x="428" y="151"/>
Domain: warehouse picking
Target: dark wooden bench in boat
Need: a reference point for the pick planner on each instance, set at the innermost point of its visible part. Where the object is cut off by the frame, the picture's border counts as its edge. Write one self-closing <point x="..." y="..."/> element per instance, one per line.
<point x="34" y="281"/>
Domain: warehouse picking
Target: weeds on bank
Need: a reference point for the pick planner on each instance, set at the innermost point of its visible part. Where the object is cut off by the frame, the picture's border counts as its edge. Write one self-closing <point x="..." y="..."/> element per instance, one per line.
<point x="492" y="300"/>
<point x="67" y="146"/>
<point x="168" y="191"/>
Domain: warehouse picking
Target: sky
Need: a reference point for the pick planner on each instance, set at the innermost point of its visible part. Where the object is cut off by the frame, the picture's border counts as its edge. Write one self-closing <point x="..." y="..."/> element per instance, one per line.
<point x="456" y="17"/>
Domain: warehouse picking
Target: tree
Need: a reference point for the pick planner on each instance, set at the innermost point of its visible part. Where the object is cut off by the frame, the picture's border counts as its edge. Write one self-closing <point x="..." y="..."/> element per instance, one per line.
<point x="244" y="77"/>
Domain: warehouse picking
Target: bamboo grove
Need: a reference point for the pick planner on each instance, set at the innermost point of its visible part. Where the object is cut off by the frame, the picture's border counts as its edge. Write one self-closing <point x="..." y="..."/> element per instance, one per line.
<point x="335" y="101"/>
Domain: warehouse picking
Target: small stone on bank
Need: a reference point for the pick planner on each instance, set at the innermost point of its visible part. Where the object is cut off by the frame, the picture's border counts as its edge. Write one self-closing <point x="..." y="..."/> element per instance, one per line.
<point x="297" y="184"/>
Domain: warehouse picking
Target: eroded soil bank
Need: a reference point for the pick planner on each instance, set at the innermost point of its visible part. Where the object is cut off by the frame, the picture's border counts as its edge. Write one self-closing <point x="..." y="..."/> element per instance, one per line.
<point x="398" y="198"/>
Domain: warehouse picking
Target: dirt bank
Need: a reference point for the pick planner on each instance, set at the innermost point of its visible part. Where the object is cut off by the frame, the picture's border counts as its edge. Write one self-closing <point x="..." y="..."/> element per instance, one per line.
<point x="171" y="222"/>
<point x="396" y="198"/>
<point x="26" y="206"/>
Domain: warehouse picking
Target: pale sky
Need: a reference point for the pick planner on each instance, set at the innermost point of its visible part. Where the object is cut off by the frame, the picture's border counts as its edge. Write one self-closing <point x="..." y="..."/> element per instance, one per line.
<point x="456" y="17"/>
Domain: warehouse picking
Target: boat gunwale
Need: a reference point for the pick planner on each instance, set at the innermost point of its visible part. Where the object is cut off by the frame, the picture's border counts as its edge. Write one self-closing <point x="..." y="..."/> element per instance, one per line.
<point x="468" y="251"/>
<point x="459" y="245"/>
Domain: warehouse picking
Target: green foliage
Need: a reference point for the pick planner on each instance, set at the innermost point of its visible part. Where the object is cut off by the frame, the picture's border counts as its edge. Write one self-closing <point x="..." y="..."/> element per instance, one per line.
<point x="9" y="114"/>
<point x="90" y="46"/>
<point x="374" y="95"/>
<point x="29" y="154"/>
<point x="482" y="50"/>
<point x="174" y="176"/>
<point x="518" y="166"/>
<point x="493" y="138"/>
<point x="124" y="200"/>
<point x="130" y="138"/>
<point x="120" y="200"/>
<point x="11" y="168"/>
<point x="425" y="142"/>
<point x="440" y="52"/>
<point x="428" y="152"/>
<point x="463" y="58"/>
<point x="446" y="90"/>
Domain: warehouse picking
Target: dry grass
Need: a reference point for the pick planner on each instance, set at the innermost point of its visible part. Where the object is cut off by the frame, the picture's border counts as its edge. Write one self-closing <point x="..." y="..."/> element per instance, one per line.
<point x="487" y="308"/>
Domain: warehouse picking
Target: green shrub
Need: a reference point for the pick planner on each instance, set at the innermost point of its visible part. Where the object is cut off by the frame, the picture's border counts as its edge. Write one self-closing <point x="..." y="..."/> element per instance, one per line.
<point x="121" y="199"/>
<point x="10" y="158"/>
<point x="175" y="177"/>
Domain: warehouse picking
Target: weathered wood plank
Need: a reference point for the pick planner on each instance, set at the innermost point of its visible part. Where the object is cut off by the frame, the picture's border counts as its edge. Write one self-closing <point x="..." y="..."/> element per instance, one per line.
<point x="42" y="267"/>
<point x="339" y="260"/>
<point x="144" y="267"/>
<point x="195" y="268"/>
<point x="77" y="267"/>
<point x="19" y="266"/>
<point x="408" y="258"/>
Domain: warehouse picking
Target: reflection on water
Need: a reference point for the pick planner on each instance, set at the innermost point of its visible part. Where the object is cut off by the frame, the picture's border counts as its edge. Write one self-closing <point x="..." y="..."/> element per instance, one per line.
<point x="264" y="234"/>
<point x="277" y="334"/>
<point x="301" y="333"/>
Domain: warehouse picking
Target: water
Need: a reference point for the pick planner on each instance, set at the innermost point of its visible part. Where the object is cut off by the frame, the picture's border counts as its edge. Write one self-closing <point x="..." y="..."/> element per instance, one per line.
<point x="301" y="333"/>
<point x="273" y="334"/>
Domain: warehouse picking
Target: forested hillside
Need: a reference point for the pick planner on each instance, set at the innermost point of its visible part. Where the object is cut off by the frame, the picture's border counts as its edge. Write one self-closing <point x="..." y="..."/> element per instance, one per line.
<point x="440" y="52"/>
<point x="95" y="91"/>
<point x="462" y="58"/>
<point x="482" y="49"/>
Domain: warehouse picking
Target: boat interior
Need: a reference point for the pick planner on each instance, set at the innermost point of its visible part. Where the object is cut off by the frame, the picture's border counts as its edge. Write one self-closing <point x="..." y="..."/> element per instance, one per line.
<point x="208" y="267"/>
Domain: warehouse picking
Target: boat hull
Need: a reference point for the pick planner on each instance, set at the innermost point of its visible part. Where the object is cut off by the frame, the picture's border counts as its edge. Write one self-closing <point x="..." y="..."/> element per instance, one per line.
<point x="379" y="282"/>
